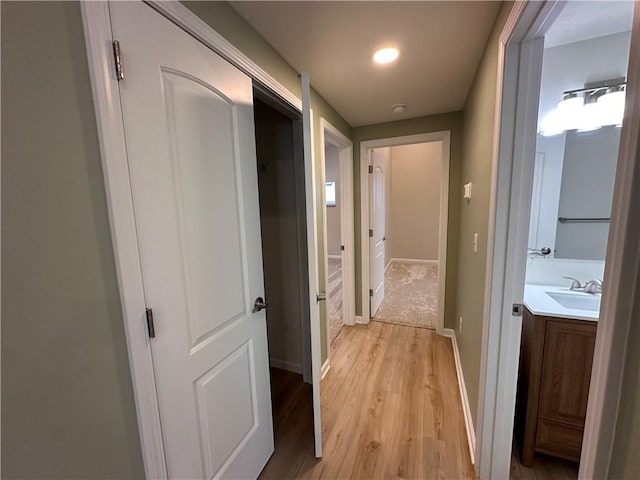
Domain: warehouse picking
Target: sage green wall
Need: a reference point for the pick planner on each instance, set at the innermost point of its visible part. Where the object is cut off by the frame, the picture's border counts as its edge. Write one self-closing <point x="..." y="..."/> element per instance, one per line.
<point x="428" y="124"/>
<point x="67" y="401"/>
<point x="478" y="127"/>
<point x="625" y="461"/>
<point x="228" y="23"/>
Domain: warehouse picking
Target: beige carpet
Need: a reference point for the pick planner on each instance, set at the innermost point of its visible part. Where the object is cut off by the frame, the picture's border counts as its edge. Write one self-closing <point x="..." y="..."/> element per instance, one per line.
<point x="410" y="295"/>
<point x="334" y="298"/>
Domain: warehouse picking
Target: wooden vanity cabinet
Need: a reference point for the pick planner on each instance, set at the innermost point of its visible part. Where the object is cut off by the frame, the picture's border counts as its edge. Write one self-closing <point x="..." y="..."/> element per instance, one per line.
<point x="556" y="357"/>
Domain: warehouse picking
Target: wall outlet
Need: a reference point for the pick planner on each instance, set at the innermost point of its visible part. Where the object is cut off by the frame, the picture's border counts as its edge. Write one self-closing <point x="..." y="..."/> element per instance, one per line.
<point x="460" y="324"/>
<point x="475" y="243"/>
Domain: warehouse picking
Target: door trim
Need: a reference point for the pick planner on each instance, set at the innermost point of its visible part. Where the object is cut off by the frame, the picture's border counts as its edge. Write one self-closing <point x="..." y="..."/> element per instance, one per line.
<point x="190" y="22"/>
<point x="330" y="134"/>
<point x="526" y="22"/>
<point x="98" y="38"/>
<point x="365" y="149"/>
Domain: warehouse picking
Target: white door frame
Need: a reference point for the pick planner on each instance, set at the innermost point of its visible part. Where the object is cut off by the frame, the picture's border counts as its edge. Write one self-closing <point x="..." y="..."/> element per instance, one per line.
<point x="330" y="134"/>
<point x="520" y="55"/>
<point x="106" y="97"/>
<point x="365" y="149"/>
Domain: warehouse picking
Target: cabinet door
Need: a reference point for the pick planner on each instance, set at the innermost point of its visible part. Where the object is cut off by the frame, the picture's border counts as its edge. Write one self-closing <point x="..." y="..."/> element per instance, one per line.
<point x="568" y="357"/>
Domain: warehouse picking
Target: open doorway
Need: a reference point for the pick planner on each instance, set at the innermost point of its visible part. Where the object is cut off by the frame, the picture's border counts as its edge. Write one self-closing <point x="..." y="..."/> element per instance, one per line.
<point x="573" y="182"/>
<point x="546" y="337"/>
<point x="280" y="166"/>
<point x="339" y="259"/>
<point x="405" y="193"/>
<point x="405" y="214"/>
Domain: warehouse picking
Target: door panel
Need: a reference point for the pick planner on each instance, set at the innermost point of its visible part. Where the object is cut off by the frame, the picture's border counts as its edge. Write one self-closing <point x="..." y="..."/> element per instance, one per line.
<point x="566" y="375"/>
<point x="221" y="437"/>
<point x="312" y="242"/>
<point x="377" y="224"/>
<point x="201" y="126"/>
<point x="190" y="140"/>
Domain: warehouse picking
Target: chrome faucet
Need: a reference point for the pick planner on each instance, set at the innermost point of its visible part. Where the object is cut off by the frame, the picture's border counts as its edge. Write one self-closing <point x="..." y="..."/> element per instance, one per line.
<point x="593" y="286"/>
<point x="575" y="284"/>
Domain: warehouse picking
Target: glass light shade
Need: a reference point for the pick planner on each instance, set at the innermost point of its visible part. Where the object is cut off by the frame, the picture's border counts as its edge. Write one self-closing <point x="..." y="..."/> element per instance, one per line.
<point x="590" y="118"/>
<point x="551" y="124"/>
<point x="570" y="112"/>
<point x="611" y="107"/>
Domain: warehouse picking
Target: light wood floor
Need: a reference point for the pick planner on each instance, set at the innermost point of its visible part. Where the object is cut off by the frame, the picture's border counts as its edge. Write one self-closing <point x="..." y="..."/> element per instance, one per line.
<point x="391" y="410"/>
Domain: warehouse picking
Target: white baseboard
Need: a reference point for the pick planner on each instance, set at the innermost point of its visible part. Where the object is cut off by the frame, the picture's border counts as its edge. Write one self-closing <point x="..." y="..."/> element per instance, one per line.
<point x="286" y="365"/>
<point x="412" y="260"/>
<point x="466" y="409"/>
<point x="338" y="257"/>
<point x="360" y="320"/>
<point x="325" y="368"/>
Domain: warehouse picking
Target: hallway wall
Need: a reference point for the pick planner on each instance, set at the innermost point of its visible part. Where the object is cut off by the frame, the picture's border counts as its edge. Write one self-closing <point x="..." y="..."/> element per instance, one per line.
<point x="415" y="201"/>
<point x="478" y="128"/>
<point x="67" y="400"/>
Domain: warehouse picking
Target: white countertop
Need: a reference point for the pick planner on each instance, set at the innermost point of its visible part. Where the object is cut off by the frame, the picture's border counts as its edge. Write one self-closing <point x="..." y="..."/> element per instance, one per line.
<point x="539" y="303"/>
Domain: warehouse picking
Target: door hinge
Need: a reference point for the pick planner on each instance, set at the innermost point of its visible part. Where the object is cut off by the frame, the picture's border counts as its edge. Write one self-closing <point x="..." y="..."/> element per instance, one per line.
<point x="371" y="232"/>
<point x="118" y="60"/>
<point x="150" y="326"/>
<point x="370" y="292"/>
<point x="342" y="248"/>
<point x="517" y="309"/>
<point x="370" y="168"/>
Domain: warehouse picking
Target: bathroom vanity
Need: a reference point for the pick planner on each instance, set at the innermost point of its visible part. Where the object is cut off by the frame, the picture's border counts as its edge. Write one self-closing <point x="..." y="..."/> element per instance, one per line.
<point x="556" y="357"/>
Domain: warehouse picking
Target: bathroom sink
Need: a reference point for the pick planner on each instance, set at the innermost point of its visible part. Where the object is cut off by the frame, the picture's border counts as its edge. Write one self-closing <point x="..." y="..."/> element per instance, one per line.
<point x="577" y="301"/>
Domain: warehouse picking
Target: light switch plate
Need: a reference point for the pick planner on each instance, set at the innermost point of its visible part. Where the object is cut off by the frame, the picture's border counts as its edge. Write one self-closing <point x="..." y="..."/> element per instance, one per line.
<point x="475" y="243"/>
<point x="467" y="191"/>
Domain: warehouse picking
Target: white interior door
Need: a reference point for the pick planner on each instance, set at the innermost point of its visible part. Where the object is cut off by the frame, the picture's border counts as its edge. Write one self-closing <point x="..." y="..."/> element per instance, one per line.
<point x="188" y="119"/>
<point x="376" y="224"/>
<point x="312" y="239"/>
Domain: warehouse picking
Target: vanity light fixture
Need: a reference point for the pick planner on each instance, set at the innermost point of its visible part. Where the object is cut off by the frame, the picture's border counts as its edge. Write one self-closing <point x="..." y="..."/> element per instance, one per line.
<point x="586" y="109"/>
<point x="386" y="55"/>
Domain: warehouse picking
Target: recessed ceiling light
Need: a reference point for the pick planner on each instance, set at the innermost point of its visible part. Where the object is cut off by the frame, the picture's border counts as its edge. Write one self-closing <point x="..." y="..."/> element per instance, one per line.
<point x="386" y="55"/>
<point x="399" y="108"/>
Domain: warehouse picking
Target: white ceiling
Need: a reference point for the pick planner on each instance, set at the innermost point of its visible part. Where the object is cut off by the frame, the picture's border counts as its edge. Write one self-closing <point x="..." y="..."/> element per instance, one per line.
<point x="583" y="20"/>
<point x="441" y="45"/>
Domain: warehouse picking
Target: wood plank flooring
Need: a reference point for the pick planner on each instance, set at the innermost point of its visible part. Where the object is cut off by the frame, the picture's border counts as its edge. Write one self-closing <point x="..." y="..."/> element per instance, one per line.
<point x="390" y="410"/>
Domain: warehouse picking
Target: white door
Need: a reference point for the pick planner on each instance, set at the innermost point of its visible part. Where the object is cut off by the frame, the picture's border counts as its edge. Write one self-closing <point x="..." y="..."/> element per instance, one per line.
<point x="188" y="119"/>
<point x="376" y="224"/>
<point x="312" y="243"/>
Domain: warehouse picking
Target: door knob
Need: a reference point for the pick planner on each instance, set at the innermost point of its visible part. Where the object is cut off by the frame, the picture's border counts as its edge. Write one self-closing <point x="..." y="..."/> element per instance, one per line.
<point x="259" y="304"/>
<point x="321" y="296"/>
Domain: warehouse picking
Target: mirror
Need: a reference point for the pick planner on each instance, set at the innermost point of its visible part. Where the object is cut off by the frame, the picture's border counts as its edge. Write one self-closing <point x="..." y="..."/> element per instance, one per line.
<point x="586" y="192"/>
<point x="576" y="160"/>
<point x="572" y="193"/>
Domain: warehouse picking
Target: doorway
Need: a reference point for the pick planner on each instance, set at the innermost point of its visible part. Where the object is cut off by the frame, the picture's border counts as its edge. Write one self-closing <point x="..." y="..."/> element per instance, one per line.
<point x="528" y="148"/>
<point x="405" y="185"/>
<point x="339" y="259"/>
<point x="280" y="167"/>
<point x="568" y="231"/>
